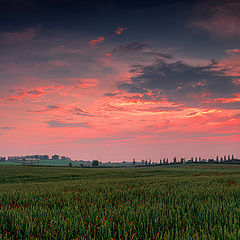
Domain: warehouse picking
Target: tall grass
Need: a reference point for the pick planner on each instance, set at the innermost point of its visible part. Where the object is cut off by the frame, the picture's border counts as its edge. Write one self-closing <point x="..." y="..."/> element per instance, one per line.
<point x="147" y="203"/>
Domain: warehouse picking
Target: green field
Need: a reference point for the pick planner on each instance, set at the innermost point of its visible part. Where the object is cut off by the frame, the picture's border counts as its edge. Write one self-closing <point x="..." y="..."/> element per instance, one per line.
<point x="46" y="163"/>
<point x="166" y="202"/>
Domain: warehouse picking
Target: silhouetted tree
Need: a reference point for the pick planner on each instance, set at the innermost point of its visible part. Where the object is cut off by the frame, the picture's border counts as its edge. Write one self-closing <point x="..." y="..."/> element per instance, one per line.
<point x="55" y="157"/>
<point x="217" y="159"/>
<point x="134" y="162"/>
<point x="150" y="161"/>
<point x="95" y="163"/>
<point x="174" y="160"/>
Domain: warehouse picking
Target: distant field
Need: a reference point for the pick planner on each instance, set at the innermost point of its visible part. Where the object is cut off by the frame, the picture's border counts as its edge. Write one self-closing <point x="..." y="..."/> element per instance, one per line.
<point x="165" y="202"/>
<point x="46" y="163"/>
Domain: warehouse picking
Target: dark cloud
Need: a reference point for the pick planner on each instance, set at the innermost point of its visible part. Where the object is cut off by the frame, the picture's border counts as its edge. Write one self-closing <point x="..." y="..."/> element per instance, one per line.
<point x="129" y="48"/>
<point x="192" y="114"/>
<point x="111" y="94"/>
<point x="60" y="124"/>
<point x="182" y="83"/>
<point x="48" y="108"/>
<point x="34" y="92"/>
<point x="53" y="107"/>
<point x="109" y="107"/>
<point x="80" y="111"/>
<point x="7" y="128"/>
<point x="161" y="109"/>
<point x="36" y="111"/>
<point x="21" y="94"/>
<point x="230" y="105"/>
<point x="138" y="48"/>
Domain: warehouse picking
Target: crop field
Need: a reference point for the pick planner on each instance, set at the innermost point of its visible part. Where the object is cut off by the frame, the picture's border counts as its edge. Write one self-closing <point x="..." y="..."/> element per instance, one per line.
<point x="167" y="202"/>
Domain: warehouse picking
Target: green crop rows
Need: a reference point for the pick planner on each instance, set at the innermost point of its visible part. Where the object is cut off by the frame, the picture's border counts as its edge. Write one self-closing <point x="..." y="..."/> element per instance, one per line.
<point x="174" y="202"/>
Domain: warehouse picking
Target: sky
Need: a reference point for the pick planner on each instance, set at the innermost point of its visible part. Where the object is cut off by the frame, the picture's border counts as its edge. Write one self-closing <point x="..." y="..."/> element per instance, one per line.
<point x="117" y="80"/>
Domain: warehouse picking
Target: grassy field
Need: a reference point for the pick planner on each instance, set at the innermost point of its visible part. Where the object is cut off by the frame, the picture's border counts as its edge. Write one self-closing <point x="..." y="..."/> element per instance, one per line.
<point x="46" y="163"/>
<point x="167" y="202"/>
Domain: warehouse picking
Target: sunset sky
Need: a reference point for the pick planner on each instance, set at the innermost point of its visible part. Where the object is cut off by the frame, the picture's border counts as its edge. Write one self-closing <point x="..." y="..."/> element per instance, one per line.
<point x="117" y="80"/>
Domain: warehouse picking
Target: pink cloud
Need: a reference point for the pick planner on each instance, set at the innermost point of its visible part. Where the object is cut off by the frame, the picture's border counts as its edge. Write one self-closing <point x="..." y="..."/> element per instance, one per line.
<point x="35" y="93"/>
<point x="231" y="66"/>
<point x="229" y="100"/>
<point x="120" y="30"/>
<point x="95" y="42"/>
<point x="99" y="40"/>
<point x="237" y="82"/>
<point x="108" y="58"/>
<point x="233" y="51"/>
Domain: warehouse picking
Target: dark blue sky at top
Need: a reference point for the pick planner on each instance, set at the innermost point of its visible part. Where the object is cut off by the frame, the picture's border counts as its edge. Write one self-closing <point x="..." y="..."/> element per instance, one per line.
<point x="162" y="21"/>
<point x="161" y="24"/>
<point x="73" y="14"/>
